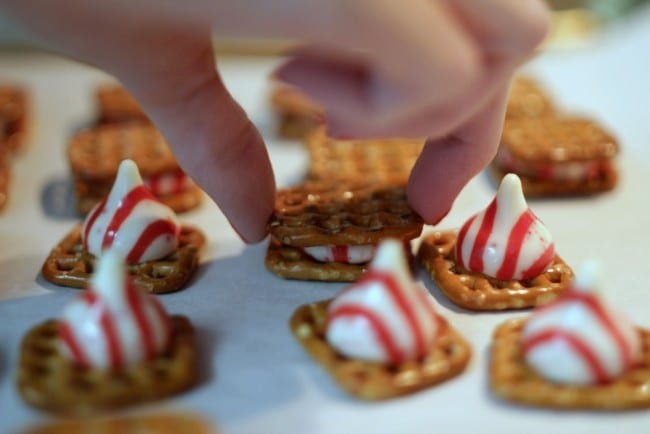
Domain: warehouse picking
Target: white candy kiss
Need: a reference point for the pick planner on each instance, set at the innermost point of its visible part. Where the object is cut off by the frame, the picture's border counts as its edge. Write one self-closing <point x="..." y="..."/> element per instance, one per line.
<point x="113" y="324"/>
<point x="506" y="240"/>
<point x="131" y="220"/>
<point x="577" y="339"/>
<point x="385" y="316"/>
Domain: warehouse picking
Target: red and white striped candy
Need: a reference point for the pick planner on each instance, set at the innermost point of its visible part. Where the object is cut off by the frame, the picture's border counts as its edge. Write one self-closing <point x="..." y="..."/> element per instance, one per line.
<point x="131" y="220"/>
<point x="384" y="316"/>
<point x="506" y="240"/>
<point x="357" y="254"/>
<point x="167" y="183"/>
<point x="113" y="324"/>
<point x="578" y="340"/>
<point x="573" y="171"/>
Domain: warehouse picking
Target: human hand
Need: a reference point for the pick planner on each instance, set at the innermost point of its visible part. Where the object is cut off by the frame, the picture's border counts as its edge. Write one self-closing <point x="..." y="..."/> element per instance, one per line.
<point x="436" y="69"/>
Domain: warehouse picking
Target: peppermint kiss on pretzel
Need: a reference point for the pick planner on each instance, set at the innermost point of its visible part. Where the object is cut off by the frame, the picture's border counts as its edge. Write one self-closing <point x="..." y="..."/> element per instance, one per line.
<point x="161" y="254"/>
<point x="558" y="155"/>
<point x="132" y="220"/>
<point x="113" y="324"/>
<point x="384" y="316"/>
<point x="113" y="345"/>
<point x="381" y="337"/>
<point x="502" y="258"/>
<point x="506" y="241"/>
<point x="329" y="229"/>
<point x="575" y="352"/>
<point x="95" y="155"/>
<point x="578" y="339"/>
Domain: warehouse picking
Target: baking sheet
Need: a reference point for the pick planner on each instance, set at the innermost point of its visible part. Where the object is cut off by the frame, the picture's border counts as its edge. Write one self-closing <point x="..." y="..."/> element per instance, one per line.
<point x="255" y="377"/>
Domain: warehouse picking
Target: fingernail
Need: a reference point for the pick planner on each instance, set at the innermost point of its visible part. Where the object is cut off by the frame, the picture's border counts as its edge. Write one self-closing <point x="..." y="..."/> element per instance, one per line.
<point x="253" y="236"/>
<point x="442" y="216"/>
<point x="243" y="238"/>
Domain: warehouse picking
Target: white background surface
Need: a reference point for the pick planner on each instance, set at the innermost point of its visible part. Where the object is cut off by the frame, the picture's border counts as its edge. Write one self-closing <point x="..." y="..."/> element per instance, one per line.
<point x="255" y="377"/>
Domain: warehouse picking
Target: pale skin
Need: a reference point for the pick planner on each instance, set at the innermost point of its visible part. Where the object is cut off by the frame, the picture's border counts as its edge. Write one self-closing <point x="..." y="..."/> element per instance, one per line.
<point x="419" y="68"/>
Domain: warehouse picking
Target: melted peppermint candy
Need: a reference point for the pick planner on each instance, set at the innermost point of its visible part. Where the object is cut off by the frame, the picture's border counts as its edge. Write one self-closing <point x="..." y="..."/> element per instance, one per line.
<point x="113" y="324"/>
<point x="384" y="316"/>
<point x="577" y="339"/>
<point x="573" y="171"/>
<point x="506" y="241"/>
<point x="358" y="254"/>
<point x="168" y="183"/>
<point x="131" y="220"/>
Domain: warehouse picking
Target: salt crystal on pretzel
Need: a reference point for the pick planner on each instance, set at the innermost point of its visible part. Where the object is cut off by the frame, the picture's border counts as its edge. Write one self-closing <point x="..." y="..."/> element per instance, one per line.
<point x="577" y="339"/>
<point x="132" y="220"/>
<point x="384" y="316"/>
<point x="506" y="240"/>
<point x="113" y="324"/>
